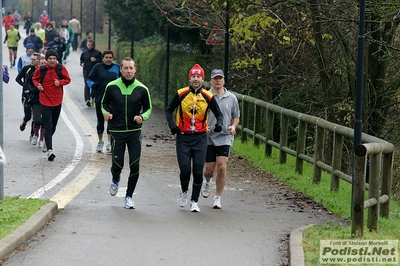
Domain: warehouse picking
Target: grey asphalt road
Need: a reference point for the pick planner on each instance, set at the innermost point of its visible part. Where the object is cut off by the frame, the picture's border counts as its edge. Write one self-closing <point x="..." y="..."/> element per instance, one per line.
<point x="92" y="228"/>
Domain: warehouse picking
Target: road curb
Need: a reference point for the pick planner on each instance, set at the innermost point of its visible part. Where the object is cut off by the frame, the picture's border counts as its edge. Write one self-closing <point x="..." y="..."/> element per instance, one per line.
<point x="296" y="251"/>
<point x="28" y="229"/>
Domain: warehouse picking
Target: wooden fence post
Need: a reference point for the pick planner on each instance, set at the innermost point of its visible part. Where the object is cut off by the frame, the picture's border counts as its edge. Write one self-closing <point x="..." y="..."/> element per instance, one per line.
<point x="257" y="124"/>
<point x="301" y="144"/>
<point x="374" y="187"/>
<point x="336" y="159"/>
<point x="318" y="152"/>
<point x="387" y="166"/>
<point x="269" y="132"/>
<point x="284" y="137"/>
<point x="245" y="118"/>
<point x="358" y="188"/>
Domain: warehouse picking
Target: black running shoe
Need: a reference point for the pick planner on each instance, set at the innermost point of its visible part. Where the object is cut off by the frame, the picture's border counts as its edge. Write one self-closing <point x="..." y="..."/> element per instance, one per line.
<point x="22" y="126"/>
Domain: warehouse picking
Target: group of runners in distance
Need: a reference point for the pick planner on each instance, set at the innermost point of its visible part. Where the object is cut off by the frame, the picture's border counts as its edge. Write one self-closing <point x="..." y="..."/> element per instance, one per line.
<point x="204" y="121"/>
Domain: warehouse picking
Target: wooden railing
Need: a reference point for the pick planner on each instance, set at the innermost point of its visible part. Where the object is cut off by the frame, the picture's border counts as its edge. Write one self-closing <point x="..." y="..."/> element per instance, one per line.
<point x="262" y="120"/>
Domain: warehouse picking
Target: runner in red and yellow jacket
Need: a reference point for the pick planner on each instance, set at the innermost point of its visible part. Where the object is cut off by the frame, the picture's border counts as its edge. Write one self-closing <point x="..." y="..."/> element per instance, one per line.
<point x="192" y="105"/>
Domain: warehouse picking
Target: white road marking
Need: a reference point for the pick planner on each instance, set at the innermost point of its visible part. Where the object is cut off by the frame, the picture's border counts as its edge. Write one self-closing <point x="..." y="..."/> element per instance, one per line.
<point x="90" y="171"/>
<point x="70" y="167"/>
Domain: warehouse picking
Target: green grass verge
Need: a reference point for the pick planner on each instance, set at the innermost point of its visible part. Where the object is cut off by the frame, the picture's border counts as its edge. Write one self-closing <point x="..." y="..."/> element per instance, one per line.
<point x="14" y="211"/>
<point x="336" y="202"/>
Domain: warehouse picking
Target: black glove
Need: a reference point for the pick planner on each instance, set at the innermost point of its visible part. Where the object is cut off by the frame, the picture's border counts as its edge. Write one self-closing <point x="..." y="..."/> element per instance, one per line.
<point x="218" y="128"/>
<point x="174" y="129"/>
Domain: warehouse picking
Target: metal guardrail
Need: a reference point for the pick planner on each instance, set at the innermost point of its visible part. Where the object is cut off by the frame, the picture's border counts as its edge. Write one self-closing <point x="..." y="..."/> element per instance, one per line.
<point x="378" y="151"/>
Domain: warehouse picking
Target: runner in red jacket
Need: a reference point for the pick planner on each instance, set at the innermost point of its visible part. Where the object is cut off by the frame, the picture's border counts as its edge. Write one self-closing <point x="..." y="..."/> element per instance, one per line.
<point x="50" y="85"/>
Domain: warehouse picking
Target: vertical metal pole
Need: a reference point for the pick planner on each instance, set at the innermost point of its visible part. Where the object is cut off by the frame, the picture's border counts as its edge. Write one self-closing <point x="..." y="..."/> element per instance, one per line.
<point x="358" y="191"/>
<point x="360" y="77"/>
<point x="226" y="59"/>
<point x="80" y="20"/>
<point x="132" y="32"/>
<point x="94" y="21"/>
<point x="109" y="33"/>
<point x="167" y="71"/>
<point x="72" y="5"/>
<point x="359" y="94"/>
<point x="1" y="112"/>
<point x="50" y="3"/>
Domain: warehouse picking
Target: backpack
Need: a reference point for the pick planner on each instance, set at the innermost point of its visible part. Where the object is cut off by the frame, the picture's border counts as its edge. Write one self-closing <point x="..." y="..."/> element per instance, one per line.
<point x="43" y="71"/>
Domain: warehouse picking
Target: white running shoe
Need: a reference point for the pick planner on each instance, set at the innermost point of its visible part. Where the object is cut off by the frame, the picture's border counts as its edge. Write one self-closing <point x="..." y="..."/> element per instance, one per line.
<point x="205" y="189"/>
<point x="194" y="207"/>
<point x="50" y="155"/>
<point x="217" y="202"/>
<point x="44" y="147"/>
<point x="182" y="199"/>
<point x="128" y="203"/>
<point x="99" y="147"/>
<point x="34" y="140"/>
<point x="108" y="148"/>
<point x="40" y="143"/>
<point x="113" y="188"/>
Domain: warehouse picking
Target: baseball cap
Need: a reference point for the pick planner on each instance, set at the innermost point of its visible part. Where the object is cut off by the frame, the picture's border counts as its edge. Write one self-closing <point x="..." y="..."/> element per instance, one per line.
<point x="216" y="73"/>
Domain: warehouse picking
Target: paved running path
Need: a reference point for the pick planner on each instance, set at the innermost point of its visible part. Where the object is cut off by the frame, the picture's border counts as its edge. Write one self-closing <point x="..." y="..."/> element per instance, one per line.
<point x="92" y="228"/>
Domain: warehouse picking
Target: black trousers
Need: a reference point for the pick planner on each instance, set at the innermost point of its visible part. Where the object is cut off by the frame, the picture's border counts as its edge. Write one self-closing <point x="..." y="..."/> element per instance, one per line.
<point x="100" y="120"/>
<point x="120" y="141"/>
<point x="50" y="115"/>
<point x="191" y="148"/>
<point x="86" y="92"/>
<point x="75" y="41"/>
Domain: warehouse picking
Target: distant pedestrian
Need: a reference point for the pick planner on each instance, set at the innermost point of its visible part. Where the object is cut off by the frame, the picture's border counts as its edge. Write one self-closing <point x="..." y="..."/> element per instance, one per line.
<point x="125" y="105"/>
<point x="17" y="18"/>
<point x="99" y="77"/>
<point x="35" y="40"/>
<point x="192" y="105"/>
<point x="41" y="33"/>
<point x="64" y="25"/>
<point x="50" y="33"/>
<point x="7" y="21"/>
<point x="30" y="95"/>
<point x="25" y="59"/>
<point x="51" y="95"/>
<point x="76" y="27"/>
<point x="219" y="144"/>
<point x="28" y="22"/>
<point x="12" y="38"/>
<point x="58" y="45"/>
<point x="88" y="60"/>
<point x="44" y="18"/>
<point x="84" y="41"/>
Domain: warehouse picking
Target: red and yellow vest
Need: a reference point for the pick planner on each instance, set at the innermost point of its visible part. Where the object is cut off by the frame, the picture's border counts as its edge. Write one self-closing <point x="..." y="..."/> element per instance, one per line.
<point x="192" y="112"/>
